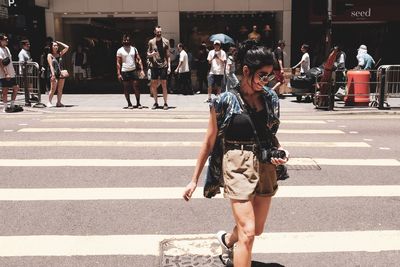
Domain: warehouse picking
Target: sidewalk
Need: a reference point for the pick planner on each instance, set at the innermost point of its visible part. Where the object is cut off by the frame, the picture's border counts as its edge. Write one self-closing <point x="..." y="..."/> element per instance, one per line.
<point x="184" y="103"/>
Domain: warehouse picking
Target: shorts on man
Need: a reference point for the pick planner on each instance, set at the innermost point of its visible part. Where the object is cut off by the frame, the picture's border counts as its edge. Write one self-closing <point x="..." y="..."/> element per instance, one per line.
<point x="128" y="76"/>
<point x="215" y="80"/>
<point x="8" y="82"/>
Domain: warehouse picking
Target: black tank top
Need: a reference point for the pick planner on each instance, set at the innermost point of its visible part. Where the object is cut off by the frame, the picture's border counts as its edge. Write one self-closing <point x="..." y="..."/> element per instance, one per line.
<point x="240" y="129"/>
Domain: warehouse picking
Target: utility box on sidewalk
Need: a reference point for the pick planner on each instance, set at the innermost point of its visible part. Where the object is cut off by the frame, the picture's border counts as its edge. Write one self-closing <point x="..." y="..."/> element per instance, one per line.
<point x="358" y="82"/>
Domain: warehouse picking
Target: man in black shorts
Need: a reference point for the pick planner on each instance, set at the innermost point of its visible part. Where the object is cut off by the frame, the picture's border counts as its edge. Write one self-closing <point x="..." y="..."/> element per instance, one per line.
<point x="216" y="58"/>
<point x="7" y="73"/>
<point x="160" y="63"/>
<point x="128" y="63"/>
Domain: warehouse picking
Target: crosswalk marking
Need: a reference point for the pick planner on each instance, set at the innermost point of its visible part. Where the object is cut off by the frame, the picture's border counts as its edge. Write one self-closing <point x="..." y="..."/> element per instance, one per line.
<point x="180" y="162"/>
<point x="282" y="242"/>
<point x="158" y="130"/>
<point x="161" y="144"/>
<point x="162" y="120"/>
<point x="146" y="193"/>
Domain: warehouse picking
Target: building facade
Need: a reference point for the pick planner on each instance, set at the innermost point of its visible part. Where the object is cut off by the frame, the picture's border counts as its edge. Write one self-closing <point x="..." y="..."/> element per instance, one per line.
<point x="64" y="18"/>
<point x="375" y="24"/>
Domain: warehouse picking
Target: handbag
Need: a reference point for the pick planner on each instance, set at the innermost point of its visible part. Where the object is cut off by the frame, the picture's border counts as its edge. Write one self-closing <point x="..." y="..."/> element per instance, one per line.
<point x="64" y="74"/>
<point x="6" y="61"/>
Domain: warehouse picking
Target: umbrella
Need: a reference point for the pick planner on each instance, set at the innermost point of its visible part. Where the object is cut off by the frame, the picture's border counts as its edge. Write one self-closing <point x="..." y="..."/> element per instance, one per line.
<point x="225" y="39"/>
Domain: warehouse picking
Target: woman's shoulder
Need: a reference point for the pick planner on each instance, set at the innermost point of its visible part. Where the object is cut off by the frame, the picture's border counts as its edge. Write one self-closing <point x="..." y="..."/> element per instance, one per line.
<point x="223" y="100"/>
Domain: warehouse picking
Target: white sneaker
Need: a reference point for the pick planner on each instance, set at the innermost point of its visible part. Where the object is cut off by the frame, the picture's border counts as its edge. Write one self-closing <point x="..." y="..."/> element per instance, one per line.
<point x="49" y="105"/>
<point x="227" y="253"/>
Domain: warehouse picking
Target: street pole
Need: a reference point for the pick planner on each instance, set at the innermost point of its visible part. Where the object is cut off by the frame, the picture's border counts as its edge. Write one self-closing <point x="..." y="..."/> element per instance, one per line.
<point x="328" y="32"/>
<point x="328" y="45"/>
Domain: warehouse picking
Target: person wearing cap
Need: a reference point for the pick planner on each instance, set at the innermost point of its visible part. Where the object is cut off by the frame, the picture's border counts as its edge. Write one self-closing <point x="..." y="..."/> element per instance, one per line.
<point x="216" y="58"/>
<point x="365" y="60"/>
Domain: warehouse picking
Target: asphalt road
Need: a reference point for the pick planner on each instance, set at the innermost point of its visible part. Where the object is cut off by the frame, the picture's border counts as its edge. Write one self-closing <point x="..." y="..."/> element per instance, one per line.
<point x="314" y="220"/>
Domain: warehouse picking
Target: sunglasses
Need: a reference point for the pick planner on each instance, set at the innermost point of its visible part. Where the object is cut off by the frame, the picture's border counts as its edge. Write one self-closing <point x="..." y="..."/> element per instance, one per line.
<point x="265" y="77"/>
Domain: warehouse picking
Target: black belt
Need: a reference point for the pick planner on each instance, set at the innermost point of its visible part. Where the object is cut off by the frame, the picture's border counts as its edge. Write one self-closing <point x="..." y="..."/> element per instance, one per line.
<point x="248" y="147"/>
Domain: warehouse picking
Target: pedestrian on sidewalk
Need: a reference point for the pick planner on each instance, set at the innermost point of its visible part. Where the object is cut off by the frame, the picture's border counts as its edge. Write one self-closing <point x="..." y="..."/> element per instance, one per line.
<point x="304" y="63"/>
<point x="217" y="59"/>
<point x="174" y="58"/>
<point x="158" y="53"/>
<point x="231" y="79"/>
<point x="7" y="73"/>
<point x="279" y="65"/>
<point x="183" y="72"/>
<point x="57" y="73"/>
<point x="24" y="57"/>
<point x="202" y="67"/>
<point x="128" y="65"/>
<point x="241" y="139"/>
<point x="79" y="63"/>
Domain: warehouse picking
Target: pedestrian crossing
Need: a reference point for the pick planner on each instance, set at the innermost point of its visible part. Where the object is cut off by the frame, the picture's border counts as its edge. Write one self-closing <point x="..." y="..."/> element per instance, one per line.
<point x="165" y="202"/>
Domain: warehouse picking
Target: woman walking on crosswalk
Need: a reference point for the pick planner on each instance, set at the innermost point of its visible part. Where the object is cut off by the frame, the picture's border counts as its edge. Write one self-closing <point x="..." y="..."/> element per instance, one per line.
<point x="245" y="151"/>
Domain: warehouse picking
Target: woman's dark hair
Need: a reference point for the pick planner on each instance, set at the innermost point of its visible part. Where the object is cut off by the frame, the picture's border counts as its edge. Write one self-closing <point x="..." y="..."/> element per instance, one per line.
<point x="126" y="36"/>
<point x="254" y="57"/>
<point x="2" y="36"/>
<point x="51" y="47"/>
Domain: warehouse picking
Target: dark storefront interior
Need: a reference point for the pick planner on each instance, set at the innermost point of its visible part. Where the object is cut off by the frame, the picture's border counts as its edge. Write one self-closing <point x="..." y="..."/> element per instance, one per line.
<point x="196" y="27"/>
<point x="377" y="32"/>
<point x="25" y="21"/>
<point x="101" y="38"/>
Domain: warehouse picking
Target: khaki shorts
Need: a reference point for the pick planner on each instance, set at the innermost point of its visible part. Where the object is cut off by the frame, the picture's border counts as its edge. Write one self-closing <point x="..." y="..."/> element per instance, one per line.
<point x="245" y="176"/>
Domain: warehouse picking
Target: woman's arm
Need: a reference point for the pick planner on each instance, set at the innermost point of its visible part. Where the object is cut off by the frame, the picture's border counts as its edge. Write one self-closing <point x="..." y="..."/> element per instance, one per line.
<point x="66" y="47"/>
<point x="49" y="61"/>
<point x="205" y="150"/>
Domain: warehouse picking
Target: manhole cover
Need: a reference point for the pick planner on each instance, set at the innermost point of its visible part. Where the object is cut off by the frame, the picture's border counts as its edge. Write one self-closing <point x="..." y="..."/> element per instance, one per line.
<point x="302" y="164"/>
<point x="201" y="252"/>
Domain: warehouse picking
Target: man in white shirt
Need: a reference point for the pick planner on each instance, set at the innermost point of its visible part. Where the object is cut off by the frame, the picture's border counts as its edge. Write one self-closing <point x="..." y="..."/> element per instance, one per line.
<point x="305" y="60"/>
<point x="184" y="71"/>
<point x="24" y="57"/>
<point x="217" y="59"/>
<point x="128" y="63"/>
<point x="7" y="73"/>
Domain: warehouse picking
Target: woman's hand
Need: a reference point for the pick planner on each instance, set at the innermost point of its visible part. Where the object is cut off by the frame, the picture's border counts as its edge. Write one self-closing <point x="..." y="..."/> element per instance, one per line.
<point x="53" y="77"/>
<point x="279" y="161"/>
<point x="189" y="190"/>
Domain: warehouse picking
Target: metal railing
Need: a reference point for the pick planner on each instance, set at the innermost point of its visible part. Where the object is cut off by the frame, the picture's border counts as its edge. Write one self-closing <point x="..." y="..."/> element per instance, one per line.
<point x="382" y="84"/>
<point x="28" y="80"/>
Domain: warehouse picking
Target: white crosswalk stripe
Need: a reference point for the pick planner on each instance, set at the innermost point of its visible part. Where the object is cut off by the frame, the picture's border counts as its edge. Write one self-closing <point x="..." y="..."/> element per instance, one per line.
<point x="180" y="162"/>
<point x="158" y="130"/>
<point x="160" y="144"/>
<point x="142" y="193"/>
<point x="294" y="242"/>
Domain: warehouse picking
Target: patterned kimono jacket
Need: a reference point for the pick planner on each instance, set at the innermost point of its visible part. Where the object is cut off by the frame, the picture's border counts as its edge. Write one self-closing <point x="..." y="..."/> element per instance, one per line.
<point x="225" y="106"/>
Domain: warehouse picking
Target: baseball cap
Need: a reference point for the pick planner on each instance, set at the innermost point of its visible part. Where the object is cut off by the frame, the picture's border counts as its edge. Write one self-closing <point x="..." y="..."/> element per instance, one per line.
<point x="217" y="42"/>
<point x="362" y="47"/>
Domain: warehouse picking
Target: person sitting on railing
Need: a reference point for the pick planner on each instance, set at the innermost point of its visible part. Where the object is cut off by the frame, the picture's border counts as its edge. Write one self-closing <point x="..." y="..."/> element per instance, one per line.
<point x="7" y="74"/>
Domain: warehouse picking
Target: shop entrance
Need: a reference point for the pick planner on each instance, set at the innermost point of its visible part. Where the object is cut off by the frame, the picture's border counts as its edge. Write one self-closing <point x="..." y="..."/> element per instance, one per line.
<point x="100" y="39"/>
